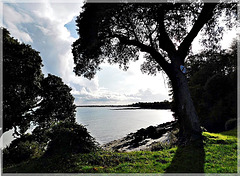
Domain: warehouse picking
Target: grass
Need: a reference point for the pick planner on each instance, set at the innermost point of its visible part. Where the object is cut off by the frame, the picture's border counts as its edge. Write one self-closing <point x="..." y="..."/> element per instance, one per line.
<point x="216" y="154"/>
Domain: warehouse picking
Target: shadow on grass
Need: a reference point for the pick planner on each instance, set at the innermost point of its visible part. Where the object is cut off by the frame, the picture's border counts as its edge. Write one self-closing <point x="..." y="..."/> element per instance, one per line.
<point x="188" y="159"/>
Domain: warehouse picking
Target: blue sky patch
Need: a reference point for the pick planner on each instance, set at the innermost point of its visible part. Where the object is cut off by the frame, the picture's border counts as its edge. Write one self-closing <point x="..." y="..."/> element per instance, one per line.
<point x="71" y="26"/>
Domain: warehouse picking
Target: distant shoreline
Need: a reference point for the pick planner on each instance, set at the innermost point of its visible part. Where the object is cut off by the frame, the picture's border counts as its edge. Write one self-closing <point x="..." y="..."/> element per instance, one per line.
<point x="95" y="106"/>
<point x="140" y="105"/>
<point x="123" y="107"/>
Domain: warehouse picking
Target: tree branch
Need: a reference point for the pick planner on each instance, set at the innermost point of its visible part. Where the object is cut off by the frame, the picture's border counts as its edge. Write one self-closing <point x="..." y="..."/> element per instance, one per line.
<point x="148" y="28"/>
<point x="164" y="41"/>
<point x="145" y="48"/>
<point x="205" y="15"/>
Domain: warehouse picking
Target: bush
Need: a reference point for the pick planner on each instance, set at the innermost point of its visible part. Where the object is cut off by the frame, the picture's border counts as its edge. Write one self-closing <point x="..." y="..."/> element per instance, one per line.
<point x="69" y="137"/>
<point x="212" y="79"/>
<point x="21" y="149"/>
<point x="62" y="139"/>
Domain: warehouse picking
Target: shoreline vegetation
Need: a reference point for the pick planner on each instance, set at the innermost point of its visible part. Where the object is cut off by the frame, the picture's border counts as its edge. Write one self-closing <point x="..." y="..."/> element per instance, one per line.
<point x="140" y="105"/>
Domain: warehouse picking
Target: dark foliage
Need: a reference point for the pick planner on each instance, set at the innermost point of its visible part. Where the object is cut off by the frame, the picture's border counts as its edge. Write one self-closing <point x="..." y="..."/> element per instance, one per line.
<point x="63" y="139"/>
<point x="116" y="32"/>
<point x="27" y="95"/>
<point x="21" y="149"/>
<point x="57" y="102"/>
<point x="155" y="105"/>
<point x="213" y="85"/>
<point x="69" y="138"/>
<point x="21" y="82"/>
<point x="46" y="103"/>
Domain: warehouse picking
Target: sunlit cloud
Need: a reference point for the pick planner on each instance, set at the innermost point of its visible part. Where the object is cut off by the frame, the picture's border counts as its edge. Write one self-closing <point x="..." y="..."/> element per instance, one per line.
<point x="14" y="20"/>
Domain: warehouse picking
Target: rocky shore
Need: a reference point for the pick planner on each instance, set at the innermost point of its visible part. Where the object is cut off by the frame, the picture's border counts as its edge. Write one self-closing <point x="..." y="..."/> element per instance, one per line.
<point x="150" y="138"/>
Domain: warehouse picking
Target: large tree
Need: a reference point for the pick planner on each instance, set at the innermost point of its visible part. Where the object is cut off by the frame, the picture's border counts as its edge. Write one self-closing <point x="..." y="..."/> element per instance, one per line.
<point x="28" y="97"/>
<point x="21" y="77"/>
<point x="118" y="32"/>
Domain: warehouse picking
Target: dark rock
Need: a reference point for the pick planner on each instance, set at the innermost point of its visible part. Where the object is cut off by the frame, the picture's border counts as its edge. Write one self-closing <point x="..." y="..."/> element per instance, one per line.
<point x="140" y="138"/>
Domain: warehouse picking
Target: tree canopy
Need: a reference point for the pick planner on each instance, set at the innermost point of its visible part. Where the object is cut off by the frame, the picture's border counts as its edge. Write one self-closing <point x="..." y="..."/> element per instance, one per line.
<point x="21" y="81"/>
<point x="57" y="102"/>
<point x="28" y="97"/>
<point x="118" y="32"/>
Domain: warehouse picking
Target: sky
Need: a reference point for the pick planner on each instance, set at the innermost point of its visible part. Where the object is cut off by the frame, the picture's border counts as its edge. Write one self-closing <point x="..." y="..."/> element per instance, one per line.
<point x="50" y="29"/>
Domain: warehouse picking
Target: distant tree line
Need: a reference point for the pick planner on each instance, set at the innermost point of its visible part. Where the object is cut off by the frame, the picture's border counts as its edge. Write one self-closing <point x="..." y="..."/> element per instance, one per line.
<point x="152" y="105"/>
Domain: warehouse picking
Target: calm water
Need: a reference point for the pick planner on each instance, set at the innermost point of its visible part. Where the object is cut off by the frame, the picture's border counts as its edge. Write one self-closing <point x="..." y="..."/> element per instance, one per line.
<point x="106" y="124"/>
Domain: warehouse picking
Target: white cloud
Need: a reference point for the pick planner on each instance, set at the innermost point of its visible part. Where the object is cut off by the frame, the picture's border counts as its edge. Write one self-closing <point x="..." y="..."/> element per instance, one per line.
<point x="132" y="80"/>
<point x="16" y="16"/>
<point x="44" y="30"/>
<point x="12" y="20"/>
<point x="103" y="96"/>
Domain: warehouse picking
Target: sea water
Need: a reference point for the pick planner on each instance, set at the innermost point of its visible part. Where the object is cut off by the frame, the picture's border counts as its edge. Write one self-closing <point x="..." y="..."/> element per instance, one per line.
<point x="106" y="124"/>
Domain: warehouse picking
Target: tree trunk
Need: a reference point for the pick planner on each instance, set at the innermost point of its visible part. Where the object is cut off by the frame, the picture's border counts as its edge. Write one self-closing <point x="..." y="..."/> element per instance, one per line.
<point x="188" y="120"/>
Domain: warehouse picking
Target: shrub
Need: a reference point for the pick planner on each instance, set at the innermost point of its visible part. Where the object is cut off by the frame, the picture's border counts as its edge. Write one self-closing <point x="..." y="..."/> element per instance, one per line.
<point x="70" y="137"/>
<point x="21" y="149"/>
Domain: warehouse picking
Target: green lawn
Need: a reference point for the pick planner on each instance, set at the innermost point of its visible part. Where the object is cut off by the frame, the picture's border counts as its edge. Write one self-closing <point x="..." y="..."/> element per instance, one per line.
<point x="216" y="154"/>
